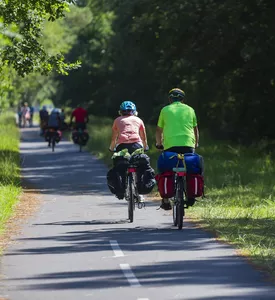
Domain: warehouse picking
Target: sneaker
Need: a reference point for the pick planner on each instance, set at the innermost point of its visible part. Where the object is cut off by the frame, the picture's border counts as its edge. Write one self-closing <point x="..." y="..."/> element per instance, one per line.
<point x="165" y="204"/>
<point x="191" y="201"/>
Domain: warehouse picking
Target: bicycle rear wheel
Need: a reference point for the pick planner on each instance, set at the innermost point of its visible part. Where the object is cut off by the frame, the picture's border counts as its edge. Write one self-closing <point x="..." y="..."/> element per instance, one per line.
<point x="131" y="201"/>
<point x="180" y="203"/>
<point x="175" y="217"/>
<point x="53" y="143"/>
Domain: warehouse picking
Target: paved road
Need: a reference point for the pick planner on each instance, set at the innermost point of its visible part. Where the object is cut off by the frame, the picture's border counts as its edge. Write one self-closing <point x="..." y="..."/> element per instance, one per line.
<point x="80" y="246"/>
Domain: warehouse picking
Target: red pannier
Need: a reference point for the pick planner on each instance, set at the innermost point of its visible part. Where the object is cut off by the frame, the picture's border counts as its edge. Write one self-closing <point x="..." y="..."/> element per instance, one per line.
<point x="195" y="185"/>
<point x="166" y="184"/>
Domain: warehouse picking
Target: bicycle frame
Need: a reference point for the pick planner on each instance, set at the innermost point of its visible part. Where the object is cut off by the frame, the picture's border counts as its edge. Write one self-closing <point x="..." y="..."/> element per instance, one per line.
<point x="52" y="135"/>
<point x="131" y="191"/>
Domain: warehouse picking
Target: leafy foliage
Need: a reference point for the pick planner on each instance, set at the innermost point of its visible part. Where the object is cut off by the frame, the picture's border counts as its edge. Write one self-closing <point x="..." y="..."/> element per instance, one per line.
<point x="219" y="52"/>
<point x="22" y="24"/>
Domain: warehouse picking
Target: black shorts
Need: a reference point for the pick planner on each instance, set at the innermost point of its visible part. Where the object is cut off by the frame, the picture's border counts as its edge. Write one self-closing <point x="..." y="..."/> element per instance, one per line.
<point x="52" y="127"/>
<point x="80" y="126"/>
<point x="181" y="150"/>
<point x="131" y="147"/>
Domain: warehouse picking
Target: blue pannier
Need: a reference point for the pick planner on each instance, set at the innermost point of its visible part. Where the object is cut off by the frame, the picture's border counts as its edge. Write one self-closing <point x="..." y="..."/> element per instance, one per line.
<point x="169" y="160"/>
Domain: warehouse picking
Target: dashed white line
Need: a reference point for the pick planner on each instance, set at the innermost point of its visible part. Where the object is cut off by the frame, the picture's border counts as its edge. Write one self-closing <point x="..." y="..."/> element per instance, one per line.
<point x="142" y="299"/>
<point x="130" y="276"/>
<point x="115" y="246"/>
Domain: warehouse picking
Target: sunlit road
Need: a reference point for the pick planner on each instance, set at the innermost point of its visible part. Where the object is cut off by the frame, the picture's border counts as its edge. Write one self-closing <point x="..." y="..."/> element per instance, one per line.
<point x="79" y="244"/>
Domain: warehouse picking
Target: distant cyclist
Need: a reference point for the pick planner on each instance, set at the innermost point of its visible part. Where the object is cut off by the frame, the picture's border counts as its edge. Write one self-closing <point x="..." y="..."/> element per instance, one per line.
<point x="25" y="113"/>
<point x="128" y="131"/>
<point x="177" y="130"/>
<point x="31" y="115"/>
<point x="80" y="115"/>
<point x="54" y="121"/>
<point x="44" y="117"/>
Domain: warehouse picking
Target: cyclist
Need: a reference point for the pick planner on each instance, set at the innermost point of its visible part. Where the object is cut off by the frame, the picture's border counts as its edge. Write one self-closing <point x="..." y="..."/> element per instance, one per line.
<point x="128" y="131"/>
<point x="177" y="130"/>
<point x="54" y="121"/>
<point x="25" y="112"/>
<point x="31" y="115"/>
<point x="44" y="116"/>
<point x="80" y="115"/>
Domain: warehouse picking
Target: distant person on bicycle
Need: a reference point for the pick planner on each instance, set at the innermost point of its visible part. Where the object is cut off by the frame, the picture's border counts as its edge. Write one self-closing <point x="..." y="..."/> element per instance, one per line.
<point x="80" y="115"/>
<point x="177" y="130"/>
<point x="128" y="131"/>
<point x="54" y="121"/>
<point x="25" y="112"/>
<point x="31" y="115"/>
<point x="44" y="117"/>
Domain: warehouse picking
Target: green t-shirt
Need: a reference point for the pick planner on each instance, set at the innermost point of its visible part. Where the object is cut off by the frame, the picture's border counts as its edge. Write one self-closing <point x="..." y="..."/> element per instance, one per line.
<point x="178" y="121"/>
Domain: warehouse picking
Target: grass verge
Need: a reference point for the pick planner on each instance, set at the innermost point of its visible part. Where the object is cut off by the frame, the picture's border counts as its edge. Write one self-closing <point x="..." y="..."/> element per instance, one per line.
<point x="240" y="190"/>
<point x="10" y="188"/>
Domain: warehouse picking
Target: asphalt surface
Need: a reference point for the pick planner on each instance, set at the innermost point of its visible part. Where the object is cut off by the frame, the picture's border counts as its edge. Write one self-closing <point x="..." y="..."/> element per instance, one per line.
<point x="79" y="245"/>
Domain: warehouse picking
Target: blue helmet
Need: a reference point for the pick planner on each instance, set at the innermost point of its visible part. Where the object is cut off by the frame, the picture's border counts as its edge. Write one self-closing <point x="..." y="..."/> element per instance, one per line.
<point x="127" y="105"/>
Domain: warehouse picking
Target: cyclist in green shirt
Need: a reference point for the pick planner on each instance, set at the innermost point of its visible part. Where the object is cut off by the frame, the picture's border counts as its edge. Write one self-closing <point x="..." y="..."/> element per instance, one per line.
<point x="177" y="130"/>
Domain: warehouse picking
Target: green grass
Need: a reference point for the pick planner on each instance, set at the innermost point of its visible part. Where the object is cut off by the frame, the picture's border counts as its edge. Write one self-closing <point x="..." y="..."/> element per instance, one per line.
<point x="240" y="192"/>
<point x="9" y="167"/>
<point x="240" y="204"/>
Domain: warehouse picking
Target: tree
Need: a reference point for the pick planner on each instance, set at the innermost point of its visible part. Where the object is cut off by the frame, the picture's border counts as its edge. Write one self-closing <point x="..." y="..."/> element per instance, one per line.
<point x="22" y="26"/>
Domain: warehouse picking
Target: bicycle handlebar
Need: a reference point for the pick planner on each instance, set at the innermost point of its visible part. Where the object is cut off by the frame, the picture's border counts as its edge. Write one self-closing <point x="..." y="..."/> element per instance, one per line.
<point x="145" y="150"/>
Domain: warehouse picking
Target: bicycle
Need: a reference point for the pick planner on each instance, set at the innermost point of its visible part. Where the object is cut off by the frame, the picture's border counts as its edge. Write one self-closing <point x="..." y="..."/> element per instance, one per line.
<point x="80" y="138"/>
<point x="53" y="137"/>
<point x="131" y="191"/>
<point x="179" y="204"/>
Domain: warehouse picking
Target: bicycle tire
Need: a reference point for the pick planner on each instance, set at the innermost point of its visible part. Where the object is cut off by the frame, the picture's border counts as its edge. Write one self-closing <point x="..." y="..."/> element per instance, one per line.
<point x="180" y="202"/>
<point x="175" y="217"/>
<point x="131" y="202"/>
<point x="53" y="143"/>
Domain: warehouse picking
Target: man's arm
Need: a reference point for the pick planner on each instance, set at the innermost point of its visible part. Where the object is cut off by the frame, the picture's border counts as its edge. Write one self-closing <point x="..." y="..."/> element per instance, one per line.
<point x="159" y="130"/>
<point x="197" y="135"/>
<point x="159" y="136"/>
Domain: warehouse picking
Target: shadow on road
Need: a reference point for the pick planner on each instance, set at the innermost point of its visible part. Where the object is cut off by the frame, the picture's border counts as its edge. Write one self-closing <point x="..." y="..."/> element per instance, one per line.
<point x="76" y="173"/>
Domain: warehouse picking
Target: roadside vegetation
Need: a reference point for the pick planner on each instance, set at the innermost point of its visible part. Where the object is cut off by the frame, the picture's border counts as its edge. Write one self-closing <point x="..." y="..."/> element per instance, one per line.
<point x="10" y="188"/>
<point x="240" y="191"/>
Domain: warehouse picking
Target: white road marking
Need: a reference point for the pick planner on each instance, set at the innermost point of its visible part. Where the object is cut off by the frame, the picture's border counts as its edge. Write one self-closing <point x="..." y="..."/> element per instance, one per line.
<point x="142" y="299"/>
<point x="130" y="276"/>
<point x="115" y="246"/>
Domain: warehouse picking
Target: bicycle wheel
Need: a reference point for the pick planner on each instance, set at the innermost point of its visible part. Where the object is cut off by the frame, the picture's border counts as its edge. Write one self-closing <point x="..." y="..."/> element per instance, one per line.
<point x="175" y="217"/>
<point x="131" y="201"/>
<point x="180" y="202"/>
<point x="53" y="143"/>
